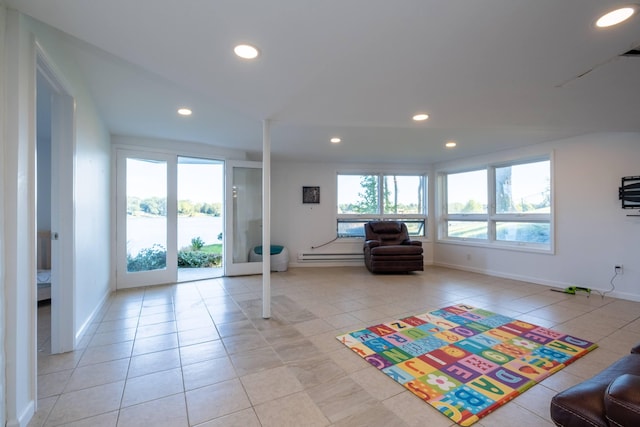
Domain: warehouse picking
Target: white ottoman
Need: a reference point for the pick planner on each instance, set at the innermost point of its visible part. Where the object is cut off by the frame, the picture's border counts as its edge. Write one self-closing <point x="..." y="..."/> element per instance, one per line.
<point x="279" y="257"/>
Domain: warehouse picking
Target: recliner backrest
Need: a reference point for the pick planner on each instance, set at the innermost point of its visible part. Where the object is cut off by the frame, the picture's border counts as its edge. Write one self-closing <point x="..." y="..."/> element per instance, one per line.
<point x="387" y="232"/>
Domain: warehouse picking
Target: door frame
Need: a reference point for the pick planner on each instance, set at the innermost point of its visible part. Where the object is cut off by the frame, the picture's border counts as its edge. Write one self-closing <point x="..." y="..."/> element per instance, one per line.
<point x="144" y="149"/>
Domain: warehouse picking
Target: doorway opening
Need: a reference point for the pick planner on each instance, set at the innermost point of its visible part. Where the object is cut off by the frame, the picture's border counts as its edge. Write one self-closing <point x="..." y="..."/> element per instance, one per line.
<point x="43" y="214"/>
<point x="170" y="223"/>
<point x="200" y="218"/>
<point x="55" y="151"/>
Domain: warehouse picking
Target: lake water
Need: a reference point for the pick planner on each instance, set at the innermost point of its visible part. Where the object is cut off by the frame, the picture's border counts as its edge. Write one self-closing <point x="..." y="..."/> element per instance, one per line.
<point x="144" y="232"/>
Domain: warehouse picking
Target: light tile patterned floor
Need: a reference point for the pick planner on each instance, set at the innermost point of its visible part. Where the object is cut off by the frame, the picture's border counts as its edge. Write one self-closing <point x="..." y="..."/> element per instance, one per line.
<point x="200" y="354"/>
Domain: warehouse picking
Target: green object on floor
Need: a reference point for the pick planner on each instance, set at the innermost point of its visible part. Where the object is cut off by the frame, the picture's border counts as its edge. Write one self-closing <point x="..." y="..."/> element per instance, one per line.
<point x="572" y="290"/>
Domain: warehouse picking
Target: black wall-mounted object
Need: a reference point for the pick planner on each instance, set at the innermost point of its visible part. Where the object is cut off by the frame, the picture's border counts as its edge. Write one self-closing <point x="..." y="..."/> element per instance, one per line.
<point x="310" y="194"/>
<point x="629" y="192"/>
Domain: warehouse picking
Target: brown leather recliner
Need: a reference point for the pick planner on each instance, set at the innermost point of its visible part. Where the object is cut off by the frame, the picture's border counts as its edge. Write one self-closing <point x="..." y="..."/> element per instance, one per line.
<point x="610" y="398"/>
<point x="388" y="249"/>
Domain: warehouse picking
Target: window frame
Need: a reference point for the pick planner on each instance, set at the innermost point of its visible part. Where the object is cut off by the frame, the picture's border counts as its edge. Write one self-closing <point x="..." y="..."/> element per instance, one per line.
<point x="380" y="215"/>
<point x="491" y="218"/>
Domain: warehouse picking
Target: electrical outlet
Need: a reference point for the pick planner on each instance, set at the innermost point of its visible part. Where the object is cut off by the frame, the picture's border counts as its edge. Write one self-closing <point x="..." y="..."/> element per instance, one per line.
<point x="618" y="268"/>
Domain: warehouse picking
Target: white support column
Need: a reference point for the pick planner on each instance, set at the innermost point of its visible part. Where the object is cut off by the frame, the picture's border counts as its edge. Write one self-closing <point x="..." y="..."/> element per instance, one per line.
<point x="266" y="219"/>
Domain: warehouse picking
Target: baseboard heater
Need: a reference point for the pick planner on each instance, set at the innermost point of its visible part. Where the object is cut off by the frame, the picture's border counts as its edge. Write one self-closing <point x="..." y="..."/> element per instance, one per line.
<point x="330" y="256"/>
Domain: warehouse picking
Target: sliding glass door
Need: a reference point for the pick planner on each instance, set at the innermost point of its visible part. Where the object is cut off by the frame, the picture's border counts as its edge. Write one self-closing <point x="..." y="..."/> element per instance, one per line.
<point x="184" y="218"/>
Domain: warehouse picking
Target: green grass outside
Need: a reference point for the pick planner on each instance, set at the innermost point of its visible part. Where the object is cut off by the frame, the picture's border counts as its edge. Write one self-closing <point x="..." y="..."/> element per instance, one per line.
<point x="216" y="249"/>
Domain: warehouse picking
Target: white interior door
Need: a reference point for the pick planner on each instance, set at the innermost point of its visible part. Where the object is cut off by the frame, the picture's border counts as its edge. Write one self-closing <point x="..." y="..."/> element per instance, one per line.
<point x="146" y="219"/>
<point x="243" y="223"/>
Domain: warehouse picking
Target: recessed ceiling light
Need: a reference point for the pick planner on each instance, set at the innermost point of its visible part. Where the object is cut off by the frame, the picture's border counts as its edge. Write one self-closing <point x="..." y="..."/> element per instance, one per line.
<point x="335" y="140"/>
<point x="450" y="144"/>
<point x="615" y="17"/>
<point x="184" y="111"/>
<point x="246" y="51"/>
<point x="420" y="117"/>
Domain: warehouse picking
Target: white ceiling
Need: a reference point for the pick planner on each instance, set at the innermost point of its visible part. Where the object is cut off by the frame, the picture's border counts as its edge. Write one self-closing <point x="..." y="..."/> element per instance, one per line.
<point x="493" y="74"/>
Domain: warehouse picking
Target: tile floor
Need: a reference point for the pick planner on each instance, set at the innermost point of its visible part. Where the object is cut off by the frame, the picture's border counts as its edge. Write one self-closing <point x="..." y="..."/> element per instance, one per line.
<point x="200" y="354"/>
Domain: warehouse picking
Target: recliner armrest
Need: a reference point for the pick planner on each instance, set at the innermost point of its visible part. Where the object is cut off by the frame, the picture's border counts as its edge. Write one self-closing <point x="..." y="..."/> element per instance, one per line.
<point x="372" y="243"/>
<point x="622" y="400"/>
<point x="415" y="243"/>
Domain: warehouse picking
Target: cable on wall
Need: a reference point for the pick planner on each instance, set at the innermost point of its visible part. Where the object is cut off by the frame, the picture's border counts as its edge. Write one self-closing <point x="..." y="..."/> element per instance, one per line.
<point x="325" y="244"/>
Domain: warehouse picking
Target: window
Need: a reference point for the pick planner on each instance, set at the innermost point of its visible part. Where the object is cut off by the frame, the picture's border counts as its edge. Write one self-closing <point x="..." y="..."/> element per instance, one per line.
<point x="358" y="194"/>
<point x="375" y="197"/>
<point x="467" y="192"/>
<point x="506" y="204"/>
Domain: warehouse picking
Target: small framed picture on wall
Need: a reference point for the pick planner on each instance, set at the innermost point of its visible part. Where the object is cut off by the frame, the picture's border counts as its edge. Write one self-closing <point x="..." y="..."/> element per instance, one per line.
<point x="310" y="194"/>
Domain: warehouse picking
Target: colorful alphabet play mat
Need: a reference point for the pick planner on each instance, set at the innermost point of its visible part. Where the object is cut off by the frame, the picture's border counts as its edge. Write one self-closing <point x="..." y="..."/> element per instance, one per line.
<point x="465" y="361"/>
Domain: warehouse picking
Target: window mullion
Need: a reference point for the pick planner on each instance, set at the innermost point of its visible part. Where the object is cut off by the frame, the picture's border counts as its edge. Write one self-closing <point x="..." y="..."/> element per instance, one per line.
<point x="522" y="217"/>
<point x="441" y="206"/>
<point x="491" y="200"/>
<point x="381" y="184"/>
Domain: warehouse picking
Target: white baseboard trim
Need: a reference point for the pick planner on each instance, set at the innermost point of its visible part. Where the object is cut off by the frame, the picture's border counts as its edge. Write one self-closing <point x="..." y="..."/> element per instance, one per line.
<point x="358" y="263"/>
<point x="83" y="329"/>
<point x="25" y="416"/>
<point x="355" y="263"/>
<point x="536" y="280"/>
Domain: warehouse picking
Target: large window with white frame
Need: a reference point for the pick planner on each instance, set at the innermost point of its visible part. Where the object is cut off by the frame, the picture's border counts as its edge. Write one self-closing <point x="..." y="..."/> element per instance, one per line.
<point x="381" y="196"/>
<point x="507" y="204"/>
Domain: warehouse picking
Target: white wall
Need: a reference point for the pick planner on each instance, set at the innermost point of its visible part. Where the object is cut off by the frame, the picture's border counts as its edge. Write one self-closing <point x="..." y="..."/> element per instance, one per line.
<point x="91" y="181"/>
<point x="91" y="209"/>
<point x="593" y="233"/>
<point x="300" y="226"/>
<point x="19" y="222"/>
<point x="183" y="148"/>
